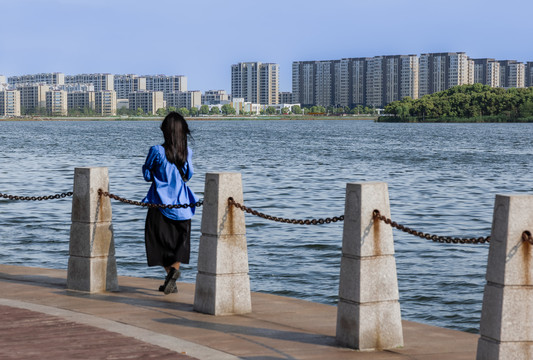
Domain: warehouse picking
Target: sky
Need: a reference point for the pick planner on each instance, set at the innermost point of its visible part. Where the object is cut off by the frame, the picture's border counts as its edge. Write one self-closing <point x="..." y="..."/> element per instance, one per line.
<point x="201" y="39"/>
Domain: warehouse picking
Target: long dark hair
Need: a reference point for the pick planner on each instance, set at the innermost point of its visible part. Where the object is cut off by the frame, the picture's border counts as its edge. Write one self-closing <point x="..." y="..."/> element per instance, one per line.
<point x="175" y="131"/>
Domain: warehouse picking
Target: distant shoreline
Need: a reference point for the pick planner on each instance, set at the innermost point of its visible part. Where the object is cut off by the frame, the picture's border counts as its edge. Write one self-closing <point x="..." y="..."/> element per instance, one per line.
<point x="195" y="118"/>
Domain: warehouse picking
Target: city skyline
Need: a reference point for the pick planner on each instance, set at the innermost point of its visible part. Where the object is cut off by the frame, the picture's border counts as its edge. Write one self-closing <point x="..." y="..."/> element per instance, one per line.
<point x="201" y="40"/>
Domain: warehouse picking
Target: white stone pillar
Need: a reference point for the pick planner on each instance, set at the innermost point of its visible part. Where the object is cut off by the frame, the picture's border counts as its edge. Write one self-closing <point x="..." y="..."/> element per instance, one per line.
<point x="222" y="283"/>
<point x="368" y="313"/>
<point x="92" y="265"/>
<point x="506" y="326"/>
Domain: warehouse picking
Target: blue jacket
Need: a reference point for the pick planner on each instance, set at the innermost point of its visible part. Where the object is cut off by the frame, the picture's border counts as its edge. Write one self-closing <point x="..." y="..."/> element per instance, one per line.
<point x="167" y="185"/>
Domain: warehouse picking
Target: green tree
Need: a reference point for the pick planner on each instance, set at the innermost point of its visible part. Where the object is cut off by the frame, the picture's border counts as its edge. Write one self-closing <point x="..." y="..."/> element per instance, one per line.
<point x="172" y="109"/>
<point x="204" y="109"/>
<point x="214" y="110"/>
<point x="161" y="112"/>
<point x="271" y="110"/>
<point x="285" y="110"/>
<point x="139" y="112"/>
<point x="227" y="109"/>
<point x="183" y="111"/>
<point x="296" y="109"/>
<point x="193" y="111"/>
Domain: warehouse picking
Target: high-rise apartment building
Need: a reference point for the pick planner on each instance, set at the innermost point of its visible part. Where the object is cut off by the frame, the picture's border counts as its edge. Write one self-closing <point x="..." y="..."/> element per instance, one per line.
<point x="32" y="97"/>
<point x="512" y="74"/>
<point x="255" y="82"/>
<point x="355" y="81"/>
<point x="166" y="84"/>
<point x="45" y="78"/>
<point x="148" y="101"/>
<point x="3" y="80"/>
<point x="105" y="102"/>
<point x="56" y="102"/>
<point x="214" y="97"/>
<point x="184" y="99"/>
<point x="391" y="78"/>
<point x="487" y="72"/>
<point x="285" y="97"/>
<point x="100" y="81"/>
<point x="75" y="87"/>
<point x="441" y="71"/>
<point x="125" y="84"/>
<point x="529" y="74"/>
<point x="10" y="103"/>
<point x="81" y="100"/>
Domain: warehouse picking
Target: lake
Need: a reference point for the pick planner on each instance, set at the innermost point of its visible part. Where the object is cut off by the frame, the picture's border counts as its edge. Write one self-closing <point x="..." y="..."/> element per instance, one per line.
<point x="442" y="179"/>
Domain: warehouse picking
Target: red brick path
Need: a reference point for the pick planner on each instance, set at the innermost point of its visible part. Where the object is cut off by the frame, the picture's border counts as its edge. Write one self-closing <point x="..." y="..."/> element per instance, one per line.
<point x="27" y="334"/>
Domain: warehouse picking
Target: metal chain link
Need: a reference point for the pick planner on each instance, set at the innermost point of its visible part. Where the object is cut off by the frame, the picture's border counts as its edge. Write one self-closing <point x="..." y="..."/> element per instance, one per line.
<point x="138" y="203"/>
<point x="231" y="201"/>
<point x="436" y="238"/>
<point x="526" y="236"/>
<point x="36" y="198"/>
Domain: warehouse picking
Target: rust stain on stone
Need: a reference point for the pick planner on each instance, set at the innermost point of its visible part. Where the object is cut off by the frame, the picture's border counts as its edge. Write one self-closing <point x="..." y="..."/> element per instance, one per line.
<point x="377" y="238"/>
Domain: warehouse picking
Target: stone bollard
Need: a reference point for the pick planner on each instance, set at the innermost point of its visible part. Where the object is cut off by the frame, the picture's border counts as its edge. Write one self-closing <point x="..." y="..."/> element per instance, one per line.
<point x="506" y="326"/>
<point x="91" y="266"/>
<point x="368" y="312"/>
<point x="222" y="283"/>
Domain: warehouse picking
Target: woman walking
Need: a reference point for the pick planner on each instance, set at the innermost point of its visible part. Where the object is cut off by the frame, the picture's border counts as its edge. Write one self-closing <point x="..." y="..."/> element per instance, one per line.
<point x="168" y="231"/>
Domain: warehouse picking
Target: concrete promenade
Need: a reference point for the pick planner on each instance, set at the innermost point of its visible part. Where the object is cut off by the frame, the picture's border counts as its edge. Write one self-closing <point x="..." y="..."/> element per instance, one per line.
<point x="41" y="319"/>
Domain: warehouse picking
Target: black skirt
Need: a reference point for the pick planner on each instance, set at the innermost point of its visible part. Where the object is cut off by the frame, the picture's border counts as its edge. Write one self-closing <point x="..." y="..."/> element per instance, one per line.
<point x="167" y="241"/>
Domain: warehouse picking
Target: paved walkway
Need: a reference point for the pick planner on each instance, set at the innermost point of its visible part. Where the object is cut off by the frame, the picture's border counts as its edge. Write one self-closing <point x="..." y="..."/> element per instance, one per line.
<point x="41" y="319"/>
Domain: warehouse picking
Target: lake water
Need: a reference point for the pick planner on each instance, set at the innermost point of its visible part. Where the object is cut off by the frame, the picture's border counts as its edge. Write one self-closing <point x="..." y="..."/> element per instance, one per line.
<point x="442" y="179"/>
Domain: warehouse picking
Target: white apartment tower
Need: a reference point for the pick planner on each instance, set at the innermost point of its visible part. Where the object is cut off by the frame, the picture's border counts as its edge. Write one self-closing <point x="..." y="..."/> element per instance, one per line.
<point x="80" y="100"/>
<point x="10" y="103"/>
<point x="56" y="102"/>
<point x="512" y="74"/>
<point x="184" y="99"/>
<point x="105" y="102"/>
<point x="441" y="71"/>
<point x="32" y="97"/>
<point x="255" y="82"/>
<point x="44" y="78"/>
<point x="487" y="72"/>
<point x="375" y="81"/>
<point x="355" y="81"/>
<point x="148" y="101"/>
<point x="125" y="84"/>
<point x="214" y="97"/>
<point x="100" y="81"/>
<point x="166" y="84"/>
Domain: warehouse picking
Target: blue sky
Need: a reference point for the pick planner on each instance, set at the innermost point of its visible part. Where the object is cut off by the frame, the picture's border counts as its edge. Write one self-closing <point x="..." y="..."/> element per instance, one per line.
<point x="201" y="39"/>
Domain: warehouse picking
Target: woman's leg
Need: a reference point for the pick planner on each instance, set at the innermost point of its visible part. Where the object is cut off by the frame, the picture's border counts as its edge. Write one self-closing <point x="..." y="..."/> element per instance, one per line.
<point x="176" y="266"/>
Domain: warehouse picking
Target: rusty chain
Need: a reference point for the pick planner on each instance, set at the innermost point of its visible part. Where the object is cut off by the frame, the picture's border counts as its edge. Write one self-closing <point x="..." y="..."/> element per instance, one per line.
<point x="36" y="198"/>
<point x="231" y="201"/>
<point x="526" y="236"/>
<point x="138" y="203"/>
<point x="436" y="238"/>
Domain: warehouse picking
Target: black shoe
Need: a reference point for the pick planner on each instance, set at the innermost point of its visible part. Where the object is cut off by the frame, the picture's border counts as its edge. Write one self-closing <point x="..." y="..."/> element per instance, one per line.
<point x="162" y="288"/>
<point x="170" y="281"/>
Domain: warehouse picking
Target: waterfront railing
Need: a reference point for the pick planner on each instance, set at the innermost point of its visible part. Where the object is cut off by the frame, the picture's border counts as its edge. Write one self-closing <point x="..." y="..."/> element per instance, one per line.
<point x="368" y="312"/>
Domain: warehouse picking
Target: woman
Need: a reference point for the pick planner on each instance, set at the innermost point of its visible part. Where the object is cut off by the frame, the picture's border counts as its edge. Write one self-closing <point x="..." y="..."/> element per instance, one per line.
<point x="168" y="231"/>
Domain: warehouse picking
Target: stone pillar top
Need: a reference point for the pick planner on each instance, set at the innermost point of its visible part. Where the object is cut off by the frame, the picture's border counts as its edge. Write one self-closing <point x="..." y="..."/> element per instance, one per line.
<point x="87" y="205"/>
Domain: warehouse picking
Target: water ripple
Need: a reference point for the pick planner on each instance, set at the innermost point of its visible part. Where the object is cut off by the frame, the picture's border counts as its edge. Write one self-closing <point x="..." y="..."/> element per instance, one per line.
<point x="442" y="179"/>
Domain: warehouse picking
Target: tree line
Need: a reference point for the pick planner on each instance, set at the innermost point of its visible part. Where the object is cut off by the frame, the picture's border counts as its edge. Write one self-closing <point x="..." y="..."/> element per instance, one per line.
<point x="475" y="102"/>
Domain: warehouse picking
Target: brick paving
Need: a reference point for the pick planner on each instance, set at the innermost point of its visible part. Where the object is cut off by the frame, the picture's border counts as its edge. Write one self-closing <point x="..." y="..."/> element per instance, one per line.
<point x="26" y="334"/>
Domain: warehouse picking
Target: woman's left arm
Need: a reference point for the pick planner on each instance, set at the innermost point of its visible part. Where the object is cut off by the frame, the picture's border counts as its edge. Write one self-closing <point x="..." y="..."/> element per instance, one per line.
<point x="148" y="164"/>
